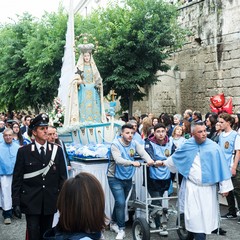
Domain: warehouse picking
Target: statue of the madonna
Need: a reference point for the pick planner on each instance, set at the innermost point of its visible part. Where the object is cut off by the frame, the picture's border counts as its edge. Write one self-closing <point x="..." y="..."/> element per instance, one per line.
<point x="86" y="90"/>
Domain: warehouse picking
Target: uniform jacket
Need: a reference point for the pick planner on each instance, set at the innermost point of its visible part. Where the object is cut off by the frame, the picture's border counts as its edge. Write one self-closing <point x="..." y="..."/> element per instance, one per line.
<point x="37" y="194"/>
<point x="159" y="152"/>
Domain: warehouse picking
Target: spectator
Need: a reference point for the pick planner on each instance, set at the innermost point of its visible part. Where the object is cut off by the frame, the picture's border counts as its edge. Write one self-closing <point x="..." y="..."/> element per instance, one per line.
<point x="136" y="136"/>
<point x="177" y="119"/>
<point x="166" y="120"/>
<point x="150" y="115"/>
<point x="197" y="116"/>
<point x="17" y="136"/>
<point x="188" y="115"/>
<point x="81" y="212"/>
<point x="236" y="125"/>
<point x="140" y="122"/>
<point x="2" y="126"/>
<point x="154" y="121"/>
<point x="146" y="124"/>
<point x="177" y="136"/>
<point x="26" y="124"/>
<point x="8" y="153"/>
<point x="53" y="138"/>
<point x="210" y="123"/>
<point x="186" y="128"/>
<point x="216" y="134"/>
<point x="28" y="137"/>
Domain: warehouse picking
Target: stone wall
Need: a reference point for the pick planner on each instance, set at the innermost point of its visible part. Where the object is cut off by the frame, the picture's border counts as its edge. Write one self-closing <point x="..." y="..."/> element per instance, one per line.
<point x="207" y="64"/>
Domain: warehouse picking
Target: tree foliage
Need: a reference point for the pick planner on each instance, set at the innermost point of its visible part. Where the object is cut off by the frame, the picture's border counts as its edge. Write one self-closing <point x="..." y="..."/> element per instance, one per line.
<point x="135" y="39"/>
<point x="31" y="59"/>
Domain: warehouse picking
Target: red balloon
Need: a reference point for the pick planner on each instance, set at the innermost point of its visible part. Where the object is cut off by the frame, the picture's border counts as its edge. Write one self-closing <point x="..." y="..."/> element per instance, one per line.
<point x="218" y="100"/>
<point x="228" y="106"/>
<point x="219" y="104"/>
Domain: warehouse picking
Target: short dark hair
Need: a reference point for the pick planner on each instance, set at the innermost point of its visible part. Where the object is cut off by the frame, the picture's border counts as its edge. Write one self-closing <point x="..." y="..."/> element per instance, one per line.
<point x="27" y="116"/>
<point x="127" y="125"/>
<point x="81" y="205"/>
<point x="198" y="115"/>
<point x="143" y="116"/>
<point x="159" y="125"/>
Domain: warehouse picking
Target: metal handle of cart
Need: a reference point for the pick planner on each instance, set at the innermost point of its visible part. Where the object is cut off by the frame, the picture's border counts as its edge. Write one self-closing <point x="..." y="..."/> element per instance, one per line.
<point x="140" y="232"/>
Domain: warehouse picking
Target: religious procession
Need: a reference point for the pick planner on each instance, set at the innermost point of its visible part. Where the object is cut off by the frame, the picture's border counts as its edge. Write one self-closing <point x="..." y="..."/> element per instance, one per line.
<point x="129" y="147"/>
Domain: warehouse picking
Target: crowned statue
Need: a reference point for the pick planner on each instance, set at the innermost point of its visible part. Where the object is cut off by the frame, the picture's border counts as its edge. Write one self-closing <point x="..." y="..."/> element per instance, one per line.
<point x="85" y="99"/>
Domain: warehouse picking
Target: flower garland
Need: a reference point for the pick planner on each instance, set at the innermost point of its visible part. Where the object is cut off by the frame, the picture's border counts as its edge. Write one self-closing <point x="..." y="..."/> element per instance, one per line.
<point x="74" y="127"/>
<point x="57" y="113"/>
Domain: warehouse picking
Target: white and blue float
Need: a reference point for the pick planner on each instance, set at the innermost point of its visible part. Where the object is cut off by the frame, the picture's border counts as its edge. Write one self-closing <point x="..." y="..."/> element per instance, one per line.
<point x="88" y="129"/>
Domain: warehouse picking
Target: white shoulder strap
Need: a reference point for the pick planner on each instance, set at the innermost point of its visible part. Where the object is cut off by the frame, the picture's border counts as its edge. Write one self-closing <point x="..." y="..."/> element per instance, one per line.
<point x="45" y="170"/>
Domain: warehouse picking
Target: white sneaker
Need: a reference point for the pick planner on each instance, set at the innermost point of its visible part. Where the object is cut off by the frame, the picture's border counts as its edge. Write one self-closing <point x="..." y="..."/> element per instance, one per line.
<point x="114" y="227"/>
<point x="121" y="234"/>
<point x="163" y="231"/>
<point x="7" y="221"/>
<point x="238" y="213"/>
<point x="152" y="223"/>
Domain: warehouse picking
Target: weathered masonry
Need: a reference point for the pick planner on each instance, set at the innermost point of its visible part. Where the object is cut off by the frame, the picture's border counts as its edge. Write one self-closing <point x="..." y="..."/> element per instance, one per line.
<point x="208" y="63"/>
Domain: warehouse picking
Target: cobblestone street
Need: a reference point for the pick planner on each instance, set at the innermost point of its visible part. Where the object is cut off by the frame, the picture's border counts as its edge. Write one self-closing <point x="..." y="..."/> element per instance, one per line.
<point x="16" y="230"/>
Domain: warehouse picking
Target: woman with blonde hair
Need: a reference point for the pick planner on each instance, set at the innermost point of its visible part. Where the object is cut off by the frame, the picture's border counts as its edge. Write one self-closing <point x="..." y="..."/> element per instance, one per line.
<point x="177" y="136"/>
<point x="81" y="205"/>
<point x="146" y="124"/>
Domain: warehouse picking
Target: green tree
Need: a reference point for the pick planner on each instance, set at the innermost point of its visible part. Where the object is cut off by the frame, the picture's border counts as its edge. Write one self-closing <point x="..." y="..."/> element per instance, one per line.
<point x="43" y="54"/>
<point x="135" y="39"/>
<point x="12" y="64"/>
<point x="31" y="60"/>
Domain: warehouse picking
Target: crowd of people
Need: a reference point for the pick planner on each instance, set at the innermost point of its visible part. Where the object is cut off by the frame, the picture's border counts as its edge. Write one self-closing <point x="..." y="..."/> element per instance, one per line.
<point x="203" y="151"/>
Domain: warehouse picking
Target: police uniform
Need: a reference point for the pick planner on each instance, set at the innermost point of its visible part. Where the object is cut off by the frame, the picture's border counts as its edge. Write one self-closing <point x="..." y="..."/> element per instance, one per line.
<point x="36" y="195"/>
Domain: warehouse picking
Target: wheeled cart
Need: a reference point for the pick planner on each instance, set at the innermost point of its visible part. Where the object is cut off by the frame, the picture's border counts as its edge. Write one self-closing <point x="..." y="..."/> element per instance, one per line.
<point x="141" y="228"/>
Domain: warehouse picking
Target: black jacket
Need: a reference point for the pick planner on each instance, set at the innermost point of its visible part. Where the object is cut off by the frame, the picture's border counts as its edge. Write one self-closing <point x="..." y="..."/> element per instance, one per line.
<point x="37" y="194"/>
<point x="53" y="234"/>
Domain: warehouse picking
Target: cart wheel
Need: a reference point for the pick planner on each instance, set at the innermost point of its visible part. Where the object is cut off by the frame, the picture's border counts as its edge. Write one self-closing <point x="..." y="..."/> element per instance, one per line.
<point x="183" y="234"/>
<point x="140" y="229"/>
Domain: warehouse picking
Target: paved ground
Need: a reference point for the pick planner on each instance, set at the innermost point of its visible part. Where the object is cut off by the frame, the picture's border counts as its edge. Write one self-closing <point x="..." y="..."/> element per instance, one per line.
<point x="16" y="231"/>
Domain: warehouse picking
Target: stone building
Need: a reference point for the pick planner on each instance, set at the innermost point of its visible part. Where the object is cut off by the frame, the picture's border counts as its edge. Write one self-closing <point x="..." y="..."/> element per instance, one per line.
<point x="207" y="64"/>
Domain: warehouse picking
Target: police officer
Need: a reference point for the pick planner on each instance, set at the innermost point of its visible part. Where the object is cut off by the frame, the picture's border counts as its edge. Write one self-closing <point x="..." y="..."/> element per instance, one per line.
<point x="38" y="176"/>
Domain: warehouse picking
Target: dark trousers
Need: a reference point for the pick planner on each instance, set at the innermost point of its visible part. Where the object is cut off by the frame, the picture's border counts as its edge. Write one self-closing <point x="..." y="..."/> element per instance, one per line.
<point x="231" y="203"/>
<point x="7" y="214"/>
<point x="37" y="225"/>
<point x="236" y="185"/>
<point x="199" y="236"/>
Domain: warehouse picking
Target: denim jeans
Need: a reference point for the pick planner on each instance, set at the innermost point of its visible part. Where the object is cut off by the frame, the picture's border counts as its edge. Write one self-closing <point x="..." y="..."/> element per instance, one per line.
<point x="7" y="214"/>
<point x="199" y="236"/>
<point x="155" y="194"/>
<point x="120" y="190"/>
